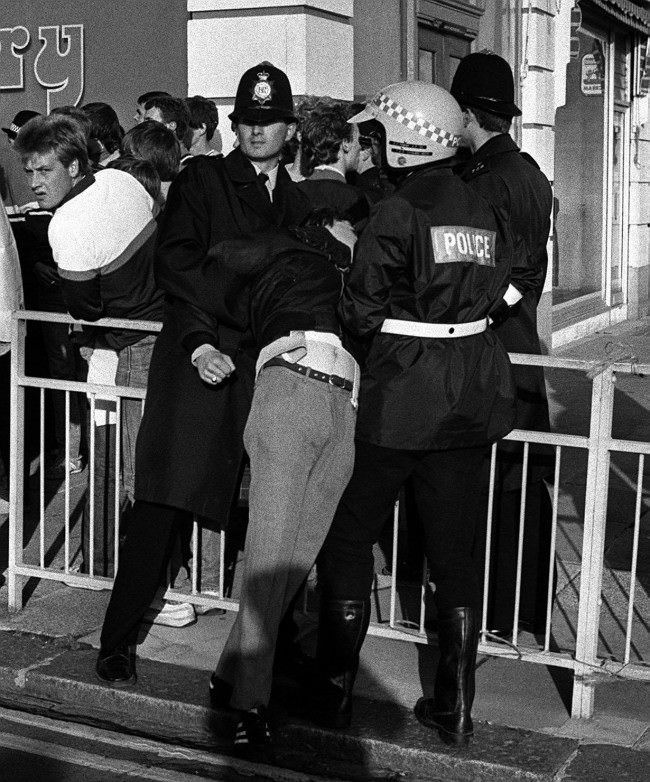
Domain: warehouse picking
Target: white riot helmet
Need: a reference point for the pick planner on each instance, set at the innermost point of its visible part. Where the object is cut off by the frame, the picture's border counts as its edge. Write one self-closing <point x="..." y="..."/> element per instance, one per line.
<point x="423" y="122"/>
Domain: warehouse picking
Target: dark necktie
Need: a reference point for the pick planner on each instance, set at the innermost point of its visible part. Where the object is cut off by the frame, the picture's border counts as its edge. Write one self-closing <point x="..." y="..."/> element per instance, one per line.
<point x="262" y="179"/>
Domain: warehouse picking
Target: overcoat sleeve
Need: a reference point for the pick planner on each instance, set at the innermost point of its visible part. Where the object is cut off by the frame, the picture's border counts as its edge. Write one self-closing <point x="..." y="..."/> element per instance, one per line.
<point x="380" y="258"/>
<point x="527" y="274"/>
<point x="184" y="237"/>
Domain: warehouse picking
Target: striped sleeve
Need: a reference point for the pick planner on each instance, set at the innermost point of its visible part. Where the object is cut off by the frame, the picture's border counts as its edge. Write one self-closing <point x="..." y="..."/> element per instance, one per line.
<point x="80" y="286"/>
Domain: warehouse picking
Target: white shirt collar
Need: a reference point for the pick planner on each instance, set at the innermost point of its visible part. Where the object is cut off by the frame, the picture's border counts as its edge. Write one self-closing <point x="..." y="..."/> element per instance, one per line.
<point x="326" y="167"/>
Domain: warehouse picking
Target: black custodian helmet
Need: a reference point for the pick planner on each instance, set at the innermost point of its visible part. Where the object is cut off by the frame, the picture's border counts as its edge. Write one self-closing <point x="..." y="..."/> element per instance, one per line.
<point x="483" y="80"/>
<point x="263" y="95"/>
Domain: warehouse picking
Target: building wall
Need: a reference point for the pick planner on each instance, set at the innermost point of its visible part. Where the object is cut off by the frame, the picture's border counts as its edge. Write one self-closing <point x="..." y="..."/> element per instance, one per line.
<point x="378" y="35"/>
<point x="76" y="52"/>
<point x="311" y="41"/>
<point x="138" y="47"/>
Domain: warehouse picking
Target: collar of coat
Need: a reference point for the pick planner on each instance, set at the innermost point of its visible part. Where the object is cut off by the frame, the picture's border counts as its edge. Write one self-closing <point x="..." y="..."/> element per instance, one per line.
<point x="241" y="170"/>
<point x="82" y="184"/>
<point x="497" y="145"/>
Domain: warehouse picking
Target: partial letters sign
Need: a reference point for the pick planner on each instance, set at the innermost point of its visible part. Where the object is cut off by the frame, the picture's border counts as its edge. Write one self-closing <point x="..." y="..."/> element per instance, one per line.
<point x="591" y="81"/>
<point x="463" y="244"/>
<point x="13" y="41"/>
<point x="58" y="65"/>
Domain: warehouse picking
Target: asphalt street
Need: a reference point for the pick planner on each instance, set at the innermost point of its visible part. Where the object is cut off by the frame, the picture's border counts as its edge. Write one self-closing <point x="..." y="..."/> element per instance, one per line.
<point x="34" y="748"/>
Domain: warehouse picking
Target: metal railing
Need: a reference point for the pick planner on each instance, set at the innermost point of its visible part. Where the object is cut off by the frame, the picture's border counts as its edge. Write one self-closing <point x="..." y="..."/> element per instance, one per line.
<point x="584" y="660"/>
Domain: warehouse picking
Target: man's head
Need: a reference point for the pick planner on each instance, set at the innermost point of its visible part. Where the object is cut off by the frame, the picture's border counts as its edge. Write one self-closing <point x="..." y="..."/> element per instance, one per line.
<point x="55" y="156"/>
<point x="143" y="171"/>
<point x="484" y="86"/>
<point x="422" y="123"/>
<point x="142" y="101"/>
<point x="328" y="138"/>
<point x="156" y="143"/>
<point x="204" y="118"/>
<point x="173" y="113"/>
<point x="105" y="126"/>
<point x="263" y="116"/>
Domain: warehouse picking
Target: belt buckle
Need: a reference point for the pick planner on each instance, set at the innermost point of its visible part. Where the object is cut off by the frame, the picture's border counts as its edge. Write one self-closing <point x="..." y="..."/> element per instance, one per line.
<point x="336" y="380"/>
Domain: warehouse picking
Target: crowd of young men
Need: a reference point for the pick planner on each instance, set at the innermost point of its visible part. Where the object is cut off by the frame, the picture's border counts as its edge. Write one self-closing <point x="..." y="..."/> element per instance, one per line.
<point x="278" y="324"/>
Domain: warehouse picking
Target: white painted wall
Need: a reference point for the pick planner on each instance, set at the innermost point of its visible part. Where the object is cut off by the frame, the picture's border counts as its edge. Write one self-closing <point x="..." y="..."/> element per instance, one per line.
<point x="311" y="41"/>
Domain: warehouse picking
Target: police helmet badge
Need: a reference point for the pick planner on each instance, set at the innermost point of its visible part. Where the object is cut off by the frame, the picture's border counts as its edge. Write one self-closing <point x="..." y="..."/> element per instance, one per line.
<point x="262" y="90"/>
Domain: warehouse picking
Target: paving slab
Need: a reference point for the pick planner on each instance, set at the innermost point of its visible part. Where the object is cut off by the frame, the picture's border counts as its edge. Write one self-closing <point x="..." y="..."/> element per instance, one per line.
<point x="607" y="764"/>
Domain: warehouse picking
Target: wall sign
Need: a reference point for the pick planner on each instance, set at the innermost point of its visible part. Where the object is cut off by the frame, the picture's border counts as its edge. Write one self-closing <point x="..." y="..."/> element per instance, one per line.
<point x="591" y="79"/>
<point x="58" y="66"/>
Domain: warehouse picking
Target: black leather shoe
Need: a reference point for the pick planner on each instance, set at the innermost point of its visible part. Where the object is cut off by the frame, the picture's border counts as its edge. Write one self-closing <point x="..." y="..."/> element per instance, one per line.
<point x="220" y="692"/>
<point x="253" y="737"/>
<point x="116" y="666"/>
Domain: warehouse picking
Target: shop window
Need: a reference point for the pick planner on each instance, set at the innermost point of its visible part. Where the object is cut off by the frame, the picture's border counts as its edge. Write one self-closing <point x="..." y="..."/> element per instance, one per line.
<point x="592" y="143"/>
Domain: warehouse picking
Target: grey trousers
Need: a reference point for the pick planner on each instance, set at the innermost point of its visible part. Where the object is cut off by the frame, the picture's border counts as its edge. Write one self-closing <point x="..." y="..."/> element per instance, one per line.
<point x="300" y="440"/>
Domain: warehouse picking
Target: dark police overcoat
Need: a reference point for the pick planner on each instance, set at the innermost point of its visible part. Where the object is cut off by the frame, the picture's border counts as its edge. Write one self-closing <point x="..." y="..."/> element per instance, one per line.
<point x="190" y="448"/>
<point x="433" y="252"/>
<point x="513" y="181"/>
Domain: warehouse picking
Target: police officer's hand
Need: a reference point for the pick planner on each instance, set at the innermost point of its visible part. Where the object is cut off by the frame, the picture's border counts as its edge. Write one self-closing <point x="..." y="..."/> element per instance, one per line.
<point x="214" y="366"/>
<point x="344" y="232"/>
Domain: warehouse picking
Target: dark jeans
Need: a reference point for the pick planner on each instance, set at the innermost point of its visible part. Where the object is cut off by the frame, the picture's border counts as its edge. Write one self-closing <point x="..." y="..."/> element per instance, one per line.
<point x="449" y="500"/>
<point x="132" y="370"/>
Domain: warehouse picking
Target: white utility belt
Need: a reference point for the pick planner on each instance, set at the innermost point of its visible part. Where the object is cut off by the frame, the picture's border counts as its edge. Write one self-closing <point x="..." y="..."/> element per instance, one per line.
<point x="413" y="328"/>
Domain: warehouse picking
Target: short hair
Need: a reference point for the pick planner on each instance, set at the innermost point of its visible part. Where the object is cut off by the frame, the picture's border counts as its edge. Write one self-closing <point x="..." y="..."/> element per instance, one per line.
<point x="308" y="103"/>
<point x="56" y="133"/>
<point x="494" y="123"/>
<point x="203" y="112"/>
<point x="152" y="141"/>
<point x="143" y="170"/>
<point x="153" y="94"/>
<point x="76" y="113"/>
<point x="323" y="131"/>
<point x="172" y="110"/>
<point x="105" y="125"/>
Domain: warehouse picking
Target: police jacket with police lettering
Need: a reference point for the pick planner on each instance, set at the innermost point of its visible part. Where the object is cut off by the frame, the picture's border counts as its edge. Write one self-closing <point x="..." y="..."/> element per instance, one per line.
<point x="434" y="252"/>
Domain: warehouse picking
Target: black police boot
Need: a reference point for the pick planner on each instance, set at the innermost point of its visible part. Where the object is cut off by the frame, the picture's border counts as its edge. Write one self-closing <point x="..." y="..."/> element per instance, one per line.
<point x="341" y="632"/>
<point x="449" y="711"/>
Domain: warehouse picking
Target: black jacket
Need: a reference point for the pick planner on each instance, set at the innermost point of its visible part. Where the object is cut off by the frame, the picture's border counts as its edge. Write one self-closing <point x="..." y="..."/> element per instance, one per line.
<point x="190" y="447"/>
<point x="513" y="181"/>
<point x="432" y="252"/>
<point x="273" y="283"/>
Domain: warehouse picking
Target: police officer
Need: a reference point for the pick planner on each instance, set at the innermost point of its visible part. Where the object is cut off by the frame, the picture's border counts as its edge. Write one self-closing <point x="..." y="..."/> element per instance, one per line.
<point x="190" y="448"/>
<point x="435" y="392"/>
<point x="484" y="87"/>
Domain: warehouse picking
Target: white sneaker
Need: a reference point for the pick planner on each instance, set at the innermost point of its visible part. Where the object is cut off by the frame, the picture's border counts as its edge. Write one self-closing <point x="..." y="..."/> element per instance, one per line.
<point x="170" y="614"/>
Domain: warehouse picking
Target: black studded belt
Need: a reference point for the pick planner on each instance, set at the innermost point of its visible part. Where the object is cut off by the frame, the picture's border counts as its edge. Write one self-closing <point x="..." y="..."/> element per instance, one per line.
<point x="301" y="369"/>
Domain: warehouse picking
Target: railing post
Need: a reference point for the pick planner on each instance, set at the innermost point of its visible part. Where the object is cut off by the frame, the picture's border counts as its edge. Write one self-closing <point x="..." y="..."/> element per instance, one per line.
<point x="16" y="465"/>
<point x="593" y="543"/>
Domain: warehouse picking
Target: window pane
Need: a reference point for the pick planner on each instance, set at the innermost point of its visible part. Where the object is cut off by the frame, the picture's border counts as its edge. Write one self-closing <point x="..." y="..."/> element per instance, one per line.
<point x="579" y="162"/>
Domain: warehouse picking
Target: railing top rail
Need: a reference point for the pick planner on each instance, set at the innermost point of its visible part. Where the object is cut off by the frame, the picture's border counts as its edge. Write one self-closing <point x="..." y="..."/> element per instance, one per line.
<point x="553" y="362"/>
<point x="112" y="323"/>
<point x="556" y="362"/>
